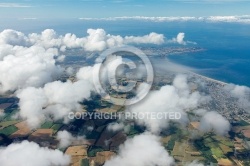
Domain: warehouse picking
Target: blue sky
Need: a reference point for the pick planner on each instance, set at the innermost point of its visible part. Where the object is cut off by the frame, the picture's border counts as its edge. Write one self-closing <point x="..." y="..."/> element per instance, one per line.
<point x="113" y="8"/>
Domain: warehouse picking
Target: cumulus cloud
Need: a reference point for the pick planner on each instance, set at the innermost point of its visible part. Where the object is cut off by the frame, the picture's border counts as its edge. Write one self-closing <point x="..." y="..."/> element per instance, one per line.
<point x="115" y="127"/>
<point x="24" y="67"/>
<point x="86" y="73"/>
<point x="176" y="98"/>
<point x="55" y="99"/>
<point x="96" y="40"/>
<point x="152" y="38"/>
<point x="30" y="60"/>
<point x="180" y="38"/>
<point x="106" y="69"/>
<point x="150" y="151"/>
<point x="13" y="37"/>
<point x="60" y="58"/>
<point x="29" y="154"/>
<point x="238" y="91"/>
<point x="200" y="112"/>
<point x="241" y="93"/>
<point x="208" y="124"/>
<point x="5" y="49"/>
<point x="70" y="71"/>
<point x="67" y="138"/>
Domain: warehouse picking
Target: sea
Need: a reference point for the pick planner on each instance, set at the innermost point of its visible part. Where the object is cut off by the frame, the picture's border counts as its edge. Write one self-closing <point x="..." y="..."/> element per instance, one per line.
<point x="226" y="55"/>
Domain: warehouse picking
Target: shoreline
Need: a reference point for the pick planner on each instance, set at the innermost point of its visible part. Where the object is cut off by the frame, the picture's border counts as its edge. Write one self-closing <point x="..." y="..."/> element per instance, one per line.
<point x="210" y="79"/>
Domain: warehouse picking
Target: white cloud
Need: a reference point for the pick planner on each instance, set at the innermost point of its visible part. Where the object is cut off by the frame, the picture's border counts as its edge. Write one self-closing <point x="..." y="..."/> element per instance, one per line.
<point x="5" y="50"/>
<point x="180" y="39"/>
<point x="237" y="90"/>
<point x="28" y="18"/>
<point x="110" y="65"/>
<point x="70" y="71"/>
<point x="67" y="139"/>
<point x="222" y="18"/>
<point x="56" y="99"/>
<point x="96" y="40"/>
<point x="155" y="19"/>
<point x="13" y="5"/>
<point x="200" y="112"/>
<point x="208" y="124"/>
<point x="142" y="150"/>
<point x="242" y="93"/>
<point x="115" y="127"/>
<point x="85" y="73"/>
<point x="30" y="154"/>
<point x="170" y="98"/>
<point x="23" y="67"/>
<point x="12" y="37"/>
<point x="19" y="53"/>
<point x="152" y="38"/>
<point x="61" y="58"/>
<point x="237" y="19"/>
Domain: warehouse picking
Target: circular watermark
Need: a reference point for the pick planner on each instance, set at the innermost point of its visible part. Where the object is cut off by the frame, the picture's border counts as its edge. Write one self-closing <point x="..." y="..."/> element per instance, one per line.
<point x="111" y="66"/>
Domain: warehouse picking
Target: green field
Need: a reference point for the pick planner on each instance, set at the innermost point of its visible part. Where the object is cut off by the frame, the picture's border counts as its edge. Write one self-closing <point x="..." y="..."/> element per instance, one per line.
<point x="56" y="127"/>
<point x="7" y="123"/>
<point x="206" y="152"/>
<point x="8" y="116"/>
<point x="93" y="150"/>
<point x="217" y="152"/>
<point x="8" y="130"/>
<point x="47" y="125"/>
<point x="134" y="130"/>
<point x="223" y="140"/>
<point x="84" y="162"/>
<point x="171" y="143"/>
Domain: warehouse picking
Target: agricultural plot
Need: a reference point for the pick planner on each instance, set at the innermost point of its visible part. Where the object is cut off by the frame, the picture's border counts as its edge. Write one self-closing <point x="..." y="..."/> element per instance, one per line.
<point x="101" y="157"/>
<point x="117" y="140"/>
<point x="7" y="123"/>
<point x="77" y="153"/>
<point x="9" y="115"/>
<point x="5" y="105"/>
<point x="171" y="143"/>
<point x="92" y="151"/>
<point x="84" y="162"/>
<point x="8" y="130"/>
<point x="47" y="125"/>
<point x="56" y="127"/>
<point x="23" y="130"/>
<point x="185" y="152"/>
<point x="43" y="137"/>
<point x="178" y="150"/>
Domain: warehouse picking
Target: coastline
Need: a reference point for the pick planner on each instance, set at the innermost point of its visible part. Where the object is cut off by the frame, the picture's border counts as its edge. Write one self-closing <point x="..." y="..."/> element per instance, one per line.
<point x="210" y="79"/>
